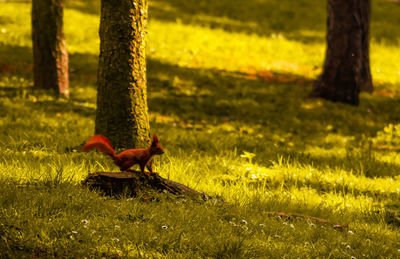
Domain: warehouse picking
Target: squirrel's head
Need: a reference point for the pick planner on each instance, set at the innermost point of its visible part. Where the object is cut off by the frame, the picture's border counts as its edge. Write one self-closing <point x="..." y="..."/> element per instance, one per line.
<point x="155" y="147"/>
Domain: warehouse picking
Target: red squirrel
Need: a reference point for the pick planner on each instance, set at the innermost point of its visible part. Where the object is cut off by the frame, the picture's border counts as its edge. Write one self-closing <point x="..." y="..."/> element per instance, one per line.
<point x="126" y="159"/>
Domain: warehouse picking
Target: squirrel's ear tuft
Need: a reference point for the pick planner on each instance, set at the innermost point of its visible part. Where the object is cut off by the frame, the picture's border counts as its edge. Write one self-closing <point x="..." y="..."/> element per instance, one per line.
<point x="155" y="139"/>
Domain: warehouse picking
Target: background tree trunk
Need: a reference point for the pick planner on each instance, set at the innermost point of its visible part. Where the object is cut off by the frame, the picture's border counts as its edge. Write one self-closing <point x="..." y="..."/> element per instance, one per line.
<point x="122" y="92"/>
<point x="50" y="57"/>
<point x="366" y="78"/>
<point x="346" y="69"/>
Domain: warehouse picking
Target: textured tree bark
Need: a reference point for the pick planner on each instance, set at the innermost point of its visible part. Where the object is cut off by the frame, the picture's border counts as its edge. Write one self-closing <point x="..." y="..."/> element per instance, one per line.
<point x="122" y="92"/>
<point x="346" y="69"/>
<point x="50" y="57"/>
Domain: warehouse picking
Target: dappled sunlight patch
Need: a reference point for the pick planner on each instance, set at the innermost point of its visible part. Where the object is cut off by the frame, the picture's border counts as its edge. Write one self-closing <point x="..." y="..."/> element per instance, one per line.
<point x="164" y="119"/>
<point x="270" y="76"/>
<point x="234" y="55"/>
<point x="83" y="37"/>
<point x="312" y="105"/>
<point x="326" y="151"/>
<point x="288" y="175"/>
<point x="9" y="83"/>
<point x="387" y="138"/>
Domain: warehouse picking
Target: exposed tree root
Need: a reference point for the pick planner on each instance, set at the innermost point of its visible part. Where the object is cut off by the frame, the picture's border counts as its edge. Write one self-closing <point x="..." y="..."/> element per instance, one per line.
<point x="134" y="183"/>
<point x="320" y="221"/>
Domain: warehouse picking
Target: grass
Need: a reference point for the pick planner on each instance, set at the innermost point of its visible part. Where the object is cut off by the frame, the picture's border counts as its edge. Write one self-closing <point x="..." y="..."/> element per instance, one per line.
<point x="228" y="85"/>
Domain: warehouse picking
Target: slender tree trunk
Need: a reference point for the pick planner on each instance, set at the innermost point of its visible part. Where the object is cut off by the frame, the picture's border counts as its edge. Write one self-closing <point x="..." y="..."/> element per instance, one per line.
<point x="122" y="91"/>
<point x="50" y="57"/>
<point x="346" y="69"/>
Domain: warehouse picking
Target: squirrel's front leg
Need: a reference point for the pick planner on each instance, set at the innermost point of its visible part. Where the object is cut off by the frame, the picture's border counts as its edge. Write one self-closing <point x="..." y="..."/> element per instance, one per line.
<point x="143" y="171"/>
<point x="150" y="167"/>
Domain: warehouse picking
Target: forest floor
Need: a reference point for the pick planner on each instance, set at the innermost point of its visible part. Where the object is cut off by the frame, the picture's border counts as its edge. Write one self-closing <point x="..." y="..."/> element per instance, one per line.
<point x="228" y="85"/>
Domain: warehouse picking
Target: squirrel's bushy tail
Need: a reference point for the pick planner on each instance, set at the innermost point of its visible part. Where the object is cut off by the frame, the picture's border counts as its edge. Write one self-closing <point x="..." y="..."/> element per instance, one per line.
<point x="100" y="143"/>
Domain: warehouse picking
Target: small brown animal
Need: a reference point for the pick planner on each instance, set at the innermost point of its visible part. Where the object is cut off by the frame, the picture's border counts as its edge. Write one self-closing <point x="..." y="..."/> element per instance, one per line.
<point x="126" y="159"/>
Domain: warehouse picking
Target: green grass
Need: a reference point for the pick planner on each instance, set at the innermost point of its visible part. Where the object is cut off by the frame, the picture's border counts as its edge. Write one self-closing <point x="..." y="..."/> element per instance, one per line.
<point x="228" y="85"/>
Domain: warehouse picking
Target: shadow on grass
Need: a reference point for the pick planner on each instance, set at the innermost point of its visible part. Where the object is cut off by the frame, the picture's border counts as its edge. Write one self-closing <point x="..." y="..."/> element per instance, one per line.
<point x="303" y="20"/>
<point x="194" y="93"/>
<point x="363" y="162"/>
<point x="289" y="122"/>
<point x="295" y="20"/>
<point x="253" y="16"/>
<point x="86" y="6"/>
<point x="16" y="62"/>
<point x="272" y="107"/>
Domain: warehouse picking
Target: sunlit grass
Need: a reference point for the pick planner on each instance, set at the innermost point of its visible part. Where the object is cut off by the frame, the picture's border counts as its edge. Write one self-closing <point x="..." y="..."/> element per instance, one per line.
<point x="228" y="91"/>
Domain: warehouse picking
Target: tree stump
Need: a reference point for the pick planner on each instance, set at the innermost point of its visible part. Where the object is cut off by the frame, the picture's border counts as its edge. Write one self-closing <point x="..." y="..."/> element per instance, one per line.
<point x="133" y="183"/>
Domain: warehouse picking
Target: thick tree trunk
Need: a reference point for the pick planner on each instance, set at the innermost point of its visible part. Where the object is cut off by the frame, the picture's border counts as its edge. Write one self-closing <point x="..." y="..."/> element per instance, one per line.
<point x="346" y="69"/>
<point x="50" y="57"/>
<point x="122" y="92"/>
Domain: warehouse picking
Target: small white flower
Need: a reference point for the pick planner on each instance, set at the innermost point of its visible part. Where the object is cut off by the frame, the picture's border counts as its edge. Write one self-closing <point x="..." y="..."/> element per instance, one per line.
<point x="115" y="239"/>
<point x="85" y="221"/>
<point x="74" y="232"/>
<point x="116" y="226"/>
<point x="348" y="247"/>
<point x="277" y="236"/>
<point x="233" y="223"/>
<point x="71" y="237"/>
<point x="292" y="226"/>
<point x="351" y="232"/>
<point x="261" y="225"/>
<point x="85" y="226"/>
<point x="284" y="223"/>
<point x="244" y="221"/>
<point x="129" y="199"/>
<point x="164" y="227"/>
